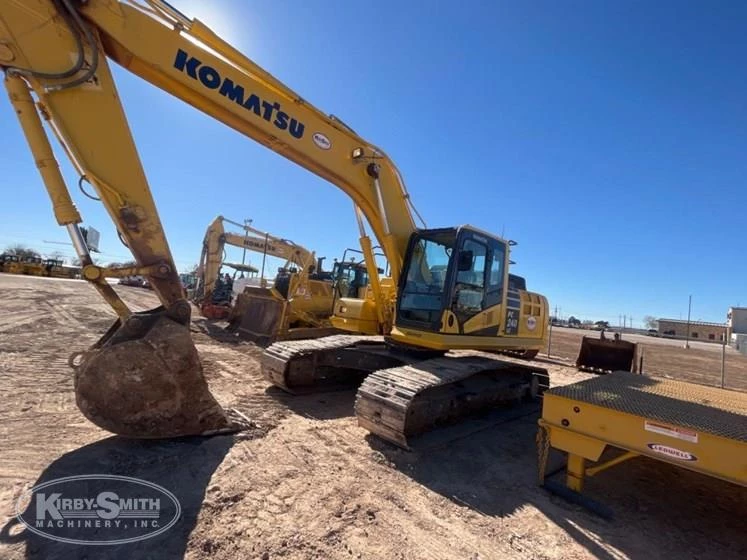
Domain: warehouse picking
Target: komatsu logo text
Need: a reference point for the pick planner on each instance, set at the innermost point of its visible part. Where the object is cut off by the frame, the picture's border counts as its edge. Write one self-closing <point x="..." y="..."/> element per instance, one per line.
<point x="211" y="78"/>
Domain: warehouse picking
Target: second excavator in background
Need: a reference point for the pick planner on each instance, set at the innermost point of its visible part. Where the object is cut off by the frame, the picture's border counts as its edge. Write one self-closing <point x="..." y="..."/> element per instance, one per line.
<point x="300" y="267"/>
<point x="297" y="302"/>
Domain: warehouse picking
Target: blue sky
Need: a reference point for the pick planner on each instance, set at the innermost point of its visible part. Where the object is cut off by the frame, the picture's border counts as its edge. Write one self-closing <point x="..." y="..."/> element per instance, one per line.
<point x="608" y="139"/>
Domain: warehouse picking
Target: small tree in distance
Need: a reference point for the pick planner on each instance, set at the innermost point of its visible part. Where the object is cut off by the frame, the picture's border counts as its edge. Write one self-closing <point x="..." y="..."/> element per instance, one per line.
<point x="651" y="322"/>
<point x="21" y="251"/>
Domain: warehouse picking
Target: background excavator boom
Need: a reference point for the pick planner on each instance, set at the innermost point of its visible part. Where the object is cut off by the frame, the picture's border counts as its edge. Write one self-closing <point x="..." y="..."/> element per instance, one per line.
<point x="216" y="238"/>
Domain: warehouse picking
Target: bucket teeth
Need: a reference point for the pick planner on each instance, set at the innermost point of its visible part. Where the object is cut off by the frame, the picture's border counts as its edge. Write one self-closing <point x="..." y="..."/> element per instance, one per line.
<point x="605" y="356"/>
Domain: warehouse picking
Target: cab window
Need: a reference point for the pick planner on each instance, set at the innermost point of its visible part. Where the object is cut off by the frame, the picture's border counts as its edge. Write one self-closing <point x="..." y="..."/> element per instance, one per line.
<point x="469" y="288"/>
<point x="422" y="295"/>
<point x="495" y="275"/>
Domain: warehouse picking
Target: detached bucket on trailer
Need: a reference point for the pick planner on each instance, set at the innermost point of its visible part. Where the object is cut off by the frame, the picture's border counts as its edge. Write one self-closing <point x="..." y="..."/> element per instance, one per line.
<point x="605" y="356"/>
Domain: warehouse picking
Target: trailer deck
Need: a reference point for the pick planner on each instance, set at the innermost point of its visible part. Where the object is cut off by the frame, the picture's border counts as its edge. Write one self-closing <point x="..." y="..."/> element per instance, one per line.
<point x="696" y="427"/>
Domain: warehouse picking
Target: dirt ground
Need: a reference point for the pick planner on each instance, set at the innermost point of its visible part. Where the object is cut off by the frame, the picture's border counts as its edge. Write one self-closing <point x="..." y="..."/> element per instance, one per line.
<point x="309" y="483"/>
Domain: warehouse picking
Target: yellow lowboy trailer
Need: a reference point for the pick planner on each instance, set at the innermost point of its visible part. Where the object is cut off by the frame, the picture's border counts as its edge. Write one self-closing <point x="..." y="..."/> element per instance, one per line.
<point x="700" y="428"/>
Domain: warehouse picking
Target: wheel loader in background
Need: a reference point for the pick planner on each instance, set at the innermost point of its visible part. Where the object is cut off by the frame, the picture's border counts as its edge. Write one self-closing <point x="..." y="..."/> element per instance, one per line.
<point x="10" y="264"/>
<point x="37" y="266"/>
<point x="452" y="304"/>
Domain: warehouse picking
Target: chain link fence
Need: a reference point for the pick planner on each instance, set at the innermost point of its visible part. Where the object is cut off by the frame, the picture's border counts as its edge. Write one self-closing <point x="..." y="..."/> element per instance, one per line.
<point x="703" y="362"/>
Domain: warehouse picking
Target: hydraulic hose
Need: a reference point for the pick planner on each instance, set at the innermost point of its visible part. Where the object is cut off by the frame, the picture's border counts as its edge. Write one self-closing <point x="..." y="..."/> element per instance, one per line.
<point x="72" y="19"/>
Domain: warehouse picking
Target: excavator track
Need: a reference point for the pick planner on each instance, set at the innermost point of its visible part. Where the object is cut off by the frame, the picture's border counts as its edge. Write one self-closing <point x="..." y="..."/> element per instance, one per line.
<point x="402" y="394"/>
<point x="302" y="366"/>
<point x="400" y="403"/>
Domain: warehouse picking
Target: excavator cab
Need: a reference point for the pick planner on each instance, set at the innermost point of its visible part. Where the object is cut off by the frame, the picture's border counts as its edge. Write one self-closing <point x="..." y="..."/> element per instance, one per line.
<point x="10" y="264"/>
<point x="351" y="279"/>
<point x="455" y="292"/>
<point x="441" y="278"/>
<point x="355" y="307"/>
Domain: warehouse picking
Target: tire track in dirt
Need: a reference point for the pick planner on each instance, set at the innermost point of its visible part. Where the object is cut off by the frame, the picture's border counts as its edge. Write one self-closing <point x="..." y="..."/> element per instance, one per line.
<point x="14" y="320"/>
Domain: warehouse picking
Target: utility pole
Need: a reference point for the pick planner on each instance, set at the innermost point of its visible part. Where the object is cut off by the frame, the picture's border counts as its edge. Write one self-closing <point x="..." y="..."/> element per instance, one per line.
<point x="247" y="222"/>
<point x="264" y="257"/>
<point x="689" y="309"/>
<point x="723" y="356"/>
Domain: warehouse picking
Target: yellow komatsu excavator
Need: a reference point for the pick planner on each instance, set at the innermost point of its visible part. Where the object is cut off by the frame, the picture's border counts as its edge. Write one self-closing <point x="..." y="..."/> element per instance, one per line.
<point x="453" y="304"/>
<point x="355" y="308"/>
<point x="298" y="303"/>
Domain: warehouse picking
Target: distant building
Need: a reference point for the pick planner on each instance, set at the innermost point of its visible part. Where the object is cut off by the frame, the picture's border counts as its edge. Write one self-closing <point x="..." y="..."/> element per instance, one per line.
<point x="737" y="320"/>
<point x="739" y="342"/>
<point x="699" y="330"/>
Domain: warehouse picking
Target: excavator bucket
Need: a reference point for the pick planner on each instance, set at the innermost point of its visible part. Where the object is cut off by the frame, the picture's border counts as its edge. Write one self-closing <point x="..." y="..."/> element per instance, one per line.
<point x="605" y="356"/>
<point x="259" y="315"/>
<point x="144" y="379"/>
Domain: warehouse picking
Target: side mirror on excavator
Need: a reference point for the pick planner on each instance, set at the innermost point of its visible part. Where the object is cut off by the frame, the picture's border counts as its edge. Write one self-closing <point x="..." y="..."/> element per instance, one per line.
<point x="464" y="261"/>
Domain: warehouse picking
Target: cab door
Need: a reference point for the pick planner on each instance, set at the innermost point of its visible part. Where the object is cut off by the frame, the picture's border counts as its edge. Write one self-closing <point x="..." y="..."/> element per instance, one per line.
<point x="478" y="284"/>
